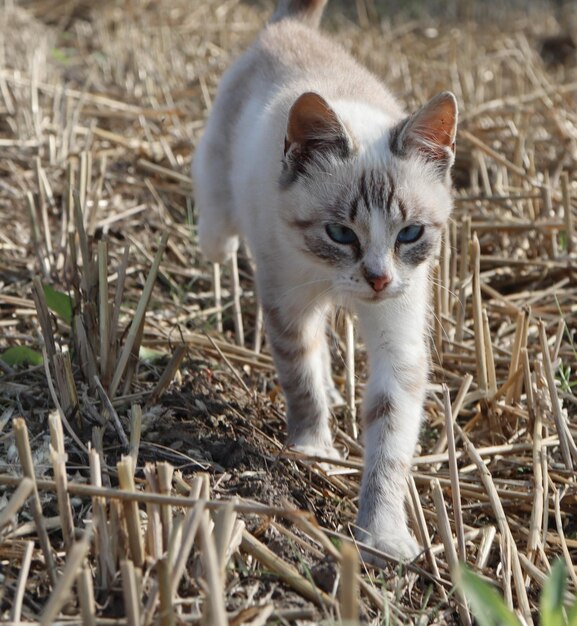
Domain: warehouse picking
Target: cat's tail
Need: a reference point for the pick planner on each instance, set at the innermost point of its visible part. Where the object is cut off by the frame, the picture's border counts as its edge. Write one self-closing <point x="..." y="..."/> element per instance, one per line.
<point x="307" y="11"/>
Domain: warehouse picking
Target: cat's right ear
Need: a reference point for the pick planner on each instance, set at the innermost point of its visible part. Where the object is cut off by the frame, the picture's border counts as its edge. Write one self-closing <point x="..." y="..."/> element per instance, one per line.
<point x="313" y="128"/>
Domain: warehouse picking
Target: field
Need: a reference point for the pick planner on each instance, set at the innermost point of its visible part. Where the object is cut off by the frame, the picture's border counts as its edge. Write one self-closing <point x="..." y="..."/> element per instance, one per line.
<point x="143" y="476"/>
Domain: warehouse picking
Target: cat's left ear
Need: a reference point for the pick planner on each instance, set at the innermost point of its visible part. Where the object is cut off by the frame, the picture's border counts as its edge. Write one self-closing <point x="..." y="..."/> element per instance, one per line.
<point x="431" y="131"/>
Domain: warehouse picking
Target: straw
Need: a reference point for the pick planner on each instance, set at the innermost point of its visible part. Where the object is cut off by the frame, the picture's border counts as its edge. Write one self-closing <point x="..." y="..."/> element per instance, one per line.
<point x="103" y="277"/>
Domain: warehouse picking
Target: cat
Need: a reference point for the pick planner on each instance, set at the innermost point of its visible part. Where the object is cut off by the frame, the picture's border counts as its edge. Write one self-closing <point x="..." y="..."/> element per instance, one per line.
<point x="342" y="198"/>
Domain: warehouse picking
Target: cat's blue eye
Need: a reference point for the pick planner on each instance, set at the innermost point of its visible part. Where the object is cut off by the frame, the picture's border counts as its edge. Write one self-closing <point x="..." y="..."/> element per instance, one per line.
<point x="411" y="233"/>
<point x="341" y="234"/>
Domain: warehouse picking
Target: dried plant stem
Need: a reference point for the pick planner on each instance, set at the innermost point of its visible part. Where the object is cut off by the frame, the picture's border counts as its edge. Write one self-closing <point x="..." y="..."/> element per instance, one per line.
<point x="130" y="592"/>
<point x="105" y="564"/>
<point x="126" y="480"/>
<point x="168" y="375"/>
<point x="86" y="597"/>
<point x="236" y="305"/>
<point x="216" y="286"/>
<point x="41" y="182"/>
<point x="62" y="588"/>
<point x="153" y="533"/>
<point x="478" y="316"/>
<point x="165" y="472"/>
<point x="189" y="528"/>
<point x="455" y="410"/>
<point x="44" y="318"/>
<point x="126" y="495"/>
<point x="224" y="523"/>
<point x="437" y="316"/>
<point x="498" y="158"/>
<point x="425" y="537"/>
<point x="42" y="259"/>
<point x="463" y="278"/>
<point x="568" y="447"/>
<point x="87" y="264"/>
<point x="112" y="414"/>
<point x="135" y="433"/>
<point x="454" y="472"/>
<point x="16" y="611"/>
<point x="349" y="585"/>
<point x="231" y="367"/>
<point x="284" y="571"/>
<point x="450" y="552"/>
<point x="350" y="374"/>
<point x="138" y="317"/>
<point x="19" y="497"/>
<point x="536" y="521"/>
<point x="541" y="578"/>
<point x="258" y="329"/>
<point x="167" y="611"/>
<point x="25" y="456"/>
<point x="490" y="367"/>
<point x="65" y="382"/>
<point x="484" y="552"/>
<point x="59" y="458"/>
<point x="506" y="534"/>
<point x="215" y="587"/>
<point x="559" y="524"/>
<point x="567" y="212"/>
<point x="515" y="354"/>
<point x="120" y="282"/>
<point x="104" y="309"/>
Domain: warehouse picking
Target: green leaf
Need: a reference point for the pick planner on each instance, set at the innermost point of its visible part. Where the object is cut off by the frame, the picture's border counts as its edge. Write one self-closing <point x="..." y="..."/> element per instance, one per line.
<point x="60" y="303"/>
<point x="59" y="55"/>
<point x="21" y="355"/>
<point x="572" y="614"/>
<point x="551" y="604"/>
<point x="149" y="355"/>
<point x="487" y="605"/>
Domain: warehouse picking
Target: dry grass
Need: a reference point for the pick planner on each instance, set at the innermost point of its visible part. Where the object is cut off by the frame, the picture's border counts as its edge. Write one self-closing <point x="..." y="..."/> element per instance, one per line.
<point x="156" y="489"/>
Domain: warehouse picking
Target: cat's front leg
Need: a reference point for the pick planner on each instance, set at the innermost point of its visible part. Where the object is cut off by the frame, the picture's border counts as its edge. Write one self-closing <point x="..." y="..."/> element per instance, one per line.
<point x="296" y="333"/>
<point x="392" y="412"/>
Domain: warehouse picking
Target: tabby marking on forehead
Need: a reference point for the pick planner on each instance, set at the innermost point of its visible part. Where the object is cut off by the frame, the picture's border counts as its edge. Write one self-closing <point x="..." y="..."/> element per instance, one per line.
<point x="353" y="208"/>
<point x="376" y="190"/>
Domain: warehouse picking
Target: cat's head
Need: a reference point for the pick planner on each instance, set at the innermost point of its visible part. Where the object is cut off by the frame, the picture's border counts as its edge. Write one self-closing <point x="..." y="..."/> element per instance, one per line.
<point x="368" y="210"/>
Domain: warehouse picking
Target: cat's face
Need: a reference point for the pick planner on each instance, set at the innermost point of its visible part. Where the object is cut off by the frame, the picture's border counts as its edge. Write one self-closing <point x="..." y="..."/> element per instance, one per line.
<point x="369" y="219"/>
<point x="368" y="226"/>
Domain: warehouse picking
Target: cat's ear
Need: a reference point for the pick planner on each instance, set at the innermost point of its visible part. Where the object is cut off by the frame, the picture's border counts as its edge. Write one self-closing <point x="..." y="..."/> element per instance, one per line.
<point x="430" y="131"/>
<point x="313" y="127"/>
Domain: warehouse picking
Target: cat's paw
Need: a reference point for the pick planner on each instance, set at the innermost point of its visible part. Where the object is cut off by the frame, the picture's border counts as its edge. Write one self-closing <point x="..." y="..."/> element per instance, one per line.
<point x="323" y="451"/>
<point x="326" y="451"/>
<point x="216" y="246"/>
<point x="397" y="543"/>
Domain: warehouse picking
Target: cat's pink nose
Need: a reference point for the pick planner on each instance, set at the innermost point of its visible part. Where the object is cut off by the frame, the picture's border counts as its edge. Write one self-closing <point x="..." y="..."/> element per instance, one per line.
<point x="377" y="282"/>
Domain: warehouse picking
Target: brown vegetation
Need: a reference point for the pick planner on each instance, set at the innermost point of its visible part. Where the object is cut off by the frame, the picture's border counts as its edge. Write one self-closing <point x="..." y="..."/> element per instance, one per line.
<point x="142" y="472"/>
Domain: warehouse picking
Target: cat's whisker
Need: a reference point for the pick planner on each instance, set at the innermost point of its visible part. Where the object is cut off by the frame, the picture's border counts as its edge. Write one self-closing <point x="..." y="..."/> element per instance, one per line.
<point x="440" y="284"/>
<point x="315" y="301"/>
<point x="302" y="285"/>
<point x="430" y="329"/>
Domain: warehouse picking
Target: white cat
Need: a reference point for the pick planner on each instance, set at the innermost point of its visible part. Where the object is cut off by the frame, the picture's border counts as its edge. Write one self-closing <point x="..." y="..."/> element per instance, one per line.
<point x="342" y="199"/>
